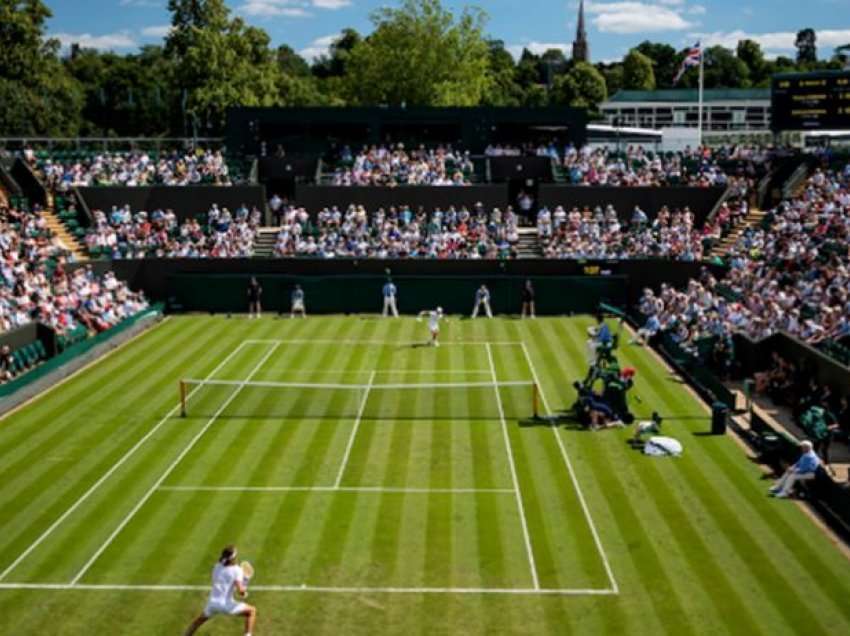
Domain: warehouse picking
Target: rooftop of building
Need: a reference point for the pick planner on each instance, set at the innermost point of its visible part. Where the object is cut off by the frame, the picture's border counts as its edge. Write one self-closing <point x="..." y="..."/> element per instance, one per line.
<point x="686" y="95"/>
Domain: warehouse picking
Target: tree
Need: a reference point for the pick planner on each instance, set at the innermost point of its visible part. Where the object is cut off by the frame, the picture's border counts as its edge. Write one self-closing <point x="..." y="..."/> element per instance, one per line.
<point x="724" y="70"/>
<point x="290" y="63"/>
<point x="528" y="70"/>
<point x="665" y="64"/>
<point x="503" y="90"/>
<point x="219" y="62"/>
<point x="750" y="53"/>
<point x="419" y="54"/>
<point x="637" y="72"/>
<point x="126" y="95"/>
<point x="37" y="96"/>
<point x="613" y="74"/>
<point x="333" y="64"/>
<point x="807" y="52"/>
<point x="582" y="87"/>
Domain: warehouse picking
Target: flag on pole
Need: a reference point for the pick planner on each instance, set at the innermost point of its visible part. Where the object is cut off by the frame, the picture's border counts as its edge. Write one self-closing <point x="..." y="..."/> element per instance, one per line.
<point x="693" y="57"/>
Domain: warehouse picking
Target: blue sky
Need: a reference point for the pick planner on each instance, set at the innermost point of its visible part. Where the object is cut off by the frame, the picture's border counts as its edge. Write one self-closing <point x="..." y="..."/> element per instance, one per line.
<point x="613" y="25"/>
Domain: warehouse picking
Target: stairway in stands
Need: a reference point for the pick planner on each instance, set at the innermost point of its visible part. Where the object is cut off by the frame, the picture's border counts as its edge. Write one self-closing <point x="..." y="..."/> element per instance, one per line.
<point x="753" y="219"/>
<point x="71" y="242"/>
<point x="529" y="243"/>
<point x="265" y="242"/>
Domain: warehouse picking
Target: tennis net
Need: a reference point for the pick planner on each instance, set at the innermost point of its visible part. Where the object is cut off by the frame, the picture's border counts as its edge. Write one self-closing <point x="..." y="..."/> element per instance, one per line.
<point x="290" y="400"/>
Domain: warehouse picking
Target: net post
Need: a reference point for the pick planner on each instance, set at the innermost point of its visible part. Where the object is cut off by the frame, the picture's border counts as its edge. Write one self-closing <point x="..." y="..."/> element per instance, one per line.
<point x="535" y="394"/>
<point x="182" y="398"/>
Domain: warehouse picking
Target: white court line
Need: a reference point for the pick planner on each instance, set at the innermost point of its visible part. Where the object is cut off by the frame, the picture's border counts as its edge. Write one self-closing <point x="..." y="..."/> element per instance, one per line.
<point x="110" y="472"/>
<point x="170" y="468"/>
<point x="435" y="372"/>
<point x="375" y="489"/>
<point x="614" y="587"/>
<point x="354" y="428"/>
<point x="398" y="343"/>
<point x="314" y="589"/>
<point x="514" y="477"/>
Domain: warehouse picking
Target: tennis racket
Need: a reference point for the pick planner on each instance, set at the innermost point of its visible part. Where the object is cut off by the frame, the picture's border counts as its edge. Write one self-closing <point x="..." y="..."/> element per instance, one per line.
<point x="247" y="573"/>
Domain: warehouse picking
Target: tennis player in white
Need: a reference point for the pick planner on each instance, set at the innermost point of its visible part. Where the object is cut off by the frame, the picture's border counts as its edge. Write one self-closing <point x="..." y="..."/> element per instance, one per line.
<point x="434" y="317"/>
<point x="227" y="579"/>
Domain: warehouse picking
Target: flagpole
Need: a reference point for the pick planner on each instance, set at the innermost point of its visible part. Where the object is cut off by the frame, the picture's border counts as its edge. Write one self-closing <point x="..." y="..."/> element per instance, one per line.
<point x="699" y="105"/>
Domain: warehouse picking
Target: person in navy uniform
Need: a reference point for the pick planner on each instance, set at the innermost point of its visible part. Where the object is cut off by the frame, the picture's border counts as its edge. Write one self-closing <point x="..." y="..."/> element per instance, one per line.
<point x="528" y="300"/>
<point x="482" y="299"/>
<point x="255" y="293"/>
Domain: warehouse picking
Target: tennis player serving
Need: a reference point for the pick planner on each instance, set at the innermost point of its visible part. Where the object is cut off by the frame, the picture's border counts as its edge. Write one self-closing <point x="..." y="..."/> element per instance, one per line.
<point x="434" y="318"/>
<point x="228" y="578"/>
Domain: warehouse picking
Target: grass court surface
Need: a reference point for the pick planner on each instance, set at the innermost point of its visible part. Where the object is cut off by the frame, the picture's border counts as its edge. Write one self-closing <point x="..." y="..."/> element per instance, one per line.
<point x="385" y="510"/>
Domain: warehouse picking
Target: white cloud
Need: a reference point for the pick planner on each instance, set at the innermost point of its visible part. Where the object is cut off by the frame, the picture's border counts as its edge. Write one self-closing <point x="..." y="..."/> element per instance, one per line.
<point x="639" y="17"/>
<point x="274" y="8"/>
<point x="331" y="5"/>
<point x="289" y="8"/>
<point x="142" y="3"/>
<point x="697" y="9"/>
<point x="107" y="41"/>
<point x="318" y="47"/>
<point x="538" y="48"/>
<point x="773" y="42"/>
<point x="157" y="31"/>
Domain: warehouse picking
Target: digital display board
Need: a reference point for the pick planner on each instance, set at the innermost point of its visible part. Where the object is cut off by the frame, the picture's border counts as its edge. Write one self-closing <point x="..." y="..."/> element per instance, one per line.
<point x="811" y="101"/>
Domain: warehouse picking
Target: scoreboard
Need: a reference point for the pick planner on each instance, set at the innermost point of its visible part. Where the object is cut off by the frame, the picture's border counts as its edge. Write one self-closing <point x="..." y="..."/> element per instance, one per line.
<point x="811" y="101"/>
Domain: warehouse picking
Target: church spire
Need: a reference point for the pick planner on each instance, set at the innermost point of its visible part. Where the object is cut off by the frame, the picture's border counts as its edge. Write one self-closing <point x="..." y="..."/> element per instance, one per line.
<point x="581" y="50"/>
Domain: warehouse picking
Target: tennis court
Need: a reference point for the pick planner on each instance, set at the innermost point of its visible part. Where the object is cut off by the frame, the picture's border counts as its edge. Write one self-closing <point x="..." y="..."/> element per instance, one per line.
<point x="372" y="479"/>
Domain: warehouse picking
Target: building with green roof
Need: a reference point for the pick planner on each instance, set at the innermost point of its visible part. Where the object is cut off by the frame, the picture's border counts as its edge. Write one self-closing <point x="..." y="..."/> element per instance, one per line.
<point x="724" y="109"/>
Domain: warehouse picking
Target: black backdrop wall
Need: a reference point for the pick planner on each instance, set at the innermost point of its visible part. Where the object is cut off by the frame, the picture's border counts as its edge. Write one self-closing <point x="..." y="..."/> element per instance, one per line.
<point x="186" y="202"/>
<point x="343" y="286"/>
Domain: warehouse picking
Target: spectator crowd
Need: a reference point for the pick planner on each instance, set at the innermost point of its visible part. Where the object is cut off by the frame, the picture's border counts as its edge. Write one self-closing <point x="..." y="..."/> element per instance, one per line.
<point x="399" y="232"/>
<point x="791" y="274"/>
<point x="132" y="168"/>
<point x="394" y="166"/>
<point x="600" y="234"/>
<point x="36" y="284"/>
<point x="124" y="234"/>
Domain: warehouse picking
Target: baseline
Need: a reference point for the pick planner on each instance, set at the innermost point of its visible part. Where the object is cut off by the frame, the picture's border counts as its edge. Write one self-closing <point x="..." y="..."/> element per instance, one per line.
<point x="316" y="589"/>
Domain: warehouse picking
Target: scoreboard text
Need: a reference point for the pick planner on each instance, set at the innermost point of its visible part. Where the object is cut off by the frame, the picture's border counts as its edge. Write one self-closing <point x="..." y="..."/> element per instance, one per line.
<point x="811" y="101"/>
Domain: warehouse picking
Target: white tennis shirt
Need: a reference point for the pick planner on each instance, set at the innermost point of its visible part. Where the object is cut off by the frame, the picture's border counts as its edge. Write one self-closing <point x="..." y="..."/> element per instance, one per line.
<point x="224" y="578"/>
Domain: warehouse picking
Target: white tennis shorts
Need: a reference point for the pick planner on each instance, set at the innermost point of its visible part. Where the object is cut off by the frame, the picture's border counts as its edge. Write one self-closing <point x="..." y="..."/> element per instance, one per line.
<point x="298" y="305"/>
<point x="231" y="608"/>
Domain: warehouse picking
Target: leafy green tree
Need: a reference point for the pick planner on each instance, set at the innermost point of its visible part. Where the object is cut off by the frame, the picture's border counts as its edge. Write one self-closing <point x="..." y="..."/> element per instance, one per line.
<point x="333" y="64"/>
<point x="750" y="53"/>
<point x="219" y="62"/>
<point x="37" y="96"/>
<point x="503" y="90"/>
<point x="582" y="87"/>
<point x="528" y="70"/>
<point x="419" y="54"/>
<point x="613" y="74"/>
<point x="290" y="63"/>
<point x="724" y="70"/>
<point x="806" y="43"/>
<point x="637" y="72"/>
<point x="665" y="63"/>
<point x="127" y="95"/>
<point x="536" y="95"/>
